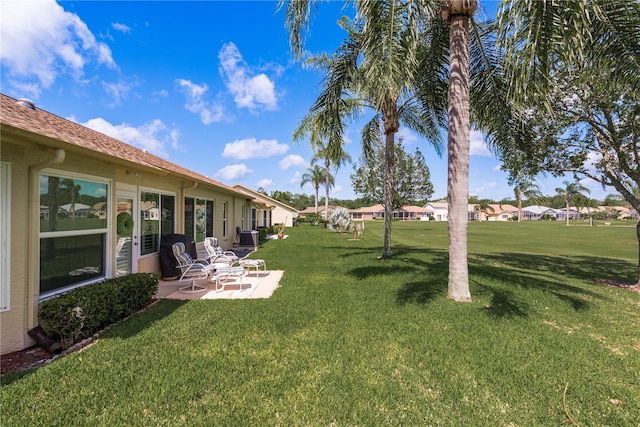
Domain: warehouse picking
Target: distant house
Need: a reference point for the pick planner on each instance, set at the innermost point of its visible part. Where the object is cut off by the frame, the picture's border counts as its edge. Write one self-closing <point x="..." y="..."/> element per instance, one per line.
<point x="500" y="213"/>
<point x="535" y="212"/>
<point x="405" y="213"/>
<point x="51" y="243"/>
<point x="367" y="213"/>
<point x="267" y="211"/>
<point x="439" y="210"/>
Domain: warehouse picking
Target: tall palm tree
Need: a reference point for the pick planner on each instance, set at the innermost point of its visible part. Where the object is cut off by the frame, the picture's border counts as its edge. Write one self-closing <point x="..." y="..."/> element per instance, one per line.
<point x="570" y="192"/>
<point x="73" y="190"/>
<point x="376" y="67"/>
<point x="525" y="188"/>
<point x="335" y="156"/>
<point x="457" y="13"/>
<point x="315" y="177"/>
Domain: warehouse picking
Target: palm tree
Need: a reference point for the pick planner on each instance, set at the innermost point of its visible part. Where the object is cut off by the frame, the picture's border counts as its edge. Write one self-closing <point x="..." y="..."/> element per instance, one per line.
<point x="525" y="188"/>
<point x="315" y="177"/>
<point x="73" y="190"/>
<point x="336" y="158"/>
<point x="457" y="13"/>
<point x="376" y="67"/>
<point x="570" y="192"/>
<point x="481" y="206"/>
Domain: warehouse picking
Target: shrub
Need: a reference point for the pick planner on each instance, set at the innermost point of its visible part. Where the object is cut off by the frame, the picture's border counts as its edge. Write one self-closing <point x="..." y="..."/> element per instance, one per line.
<point x="340" y="220"/>
<point x="81" y="312"/>
<point x="262" y="233"/>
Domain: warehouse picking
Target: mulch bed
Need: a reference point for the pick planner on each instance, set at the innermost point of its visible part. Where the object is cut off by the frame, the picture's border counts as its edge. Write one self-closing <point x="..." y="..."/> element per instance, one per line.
<point x="23" y="359"/>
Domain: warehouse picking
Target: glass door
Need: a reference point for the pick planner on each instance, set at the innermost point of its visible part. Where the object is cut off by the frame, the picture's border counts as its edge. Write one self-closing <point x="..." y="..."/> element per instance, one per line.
<point x="127" y="237"/>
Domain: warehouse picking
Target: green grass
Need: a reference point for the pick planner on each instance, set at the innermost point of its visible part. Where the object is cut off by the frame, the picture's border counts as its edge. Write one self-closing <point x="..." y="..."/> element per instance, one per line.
<point x="349" y="339"/>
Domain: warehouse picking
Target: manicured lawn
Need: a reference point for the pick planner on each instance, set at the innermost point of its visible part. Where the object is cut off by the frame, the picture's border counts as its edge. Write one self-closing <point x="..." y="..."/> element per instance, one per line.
<point x="348" y="339"/>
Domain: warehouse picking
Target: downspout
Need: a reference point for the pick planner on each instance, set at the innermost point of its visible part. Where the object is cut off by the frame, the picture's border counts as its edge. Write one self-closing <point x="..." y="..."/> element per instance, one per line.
<point x="33" y="242"/>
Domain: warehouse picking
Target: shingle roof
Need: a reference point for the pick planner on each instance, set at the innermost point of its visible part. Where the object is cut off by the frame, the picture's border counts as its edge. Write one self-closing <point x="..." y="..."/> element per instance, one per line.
<point x="76" y="136"/>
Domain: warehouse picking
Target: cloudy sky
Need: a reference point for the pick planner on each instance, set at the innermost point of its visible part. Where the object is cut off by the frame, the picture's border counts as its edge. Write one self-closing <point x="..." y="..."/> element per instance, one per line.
<point x="210" y="85"/>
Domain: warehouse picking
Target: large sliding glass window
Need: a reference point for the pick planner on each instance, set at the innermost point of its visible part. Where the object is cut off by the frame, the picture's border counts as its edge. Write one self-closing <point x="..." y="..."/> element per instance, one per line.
<point x="198" y="218"/>
<point x="73" y="231"/>
<point x="157" y="218"/>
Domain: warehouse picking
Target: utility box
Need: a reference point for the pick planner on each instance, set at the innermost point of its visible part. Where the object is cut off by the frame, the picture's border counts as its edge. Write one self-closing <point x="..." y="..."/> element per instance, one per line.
<point x="249" y="238"/>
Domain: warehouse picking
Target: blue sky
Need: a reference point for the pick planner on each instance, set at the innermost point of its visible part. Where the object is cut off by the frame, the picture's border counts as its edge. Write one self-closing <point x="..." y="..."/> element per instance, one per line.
<point x="209" y="85"/>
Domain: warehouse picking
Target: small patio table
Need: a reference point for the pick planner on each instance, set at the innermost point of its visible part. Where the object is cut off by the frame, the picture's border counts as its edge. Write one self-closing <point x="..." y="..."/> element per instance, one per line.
<point x="256" y="264"/>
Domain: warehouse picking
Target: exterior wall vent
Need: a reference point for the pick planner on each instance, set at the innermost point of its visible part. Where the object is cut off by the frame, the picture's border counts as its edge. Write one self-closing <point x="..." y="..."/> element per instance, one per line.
<point x="26" y="103"/>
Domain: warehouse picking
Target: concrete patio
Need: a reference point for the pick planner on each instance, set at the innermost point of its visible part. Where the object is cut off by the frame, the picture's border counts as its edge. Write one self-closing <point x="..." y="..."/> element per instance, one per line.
<point x="259" y="284"/>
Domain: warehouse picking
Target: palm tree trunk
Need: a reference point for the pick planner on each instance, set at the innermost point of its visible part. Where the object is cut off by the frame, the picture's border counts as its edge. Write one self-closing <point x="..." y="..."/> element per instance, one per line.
<point x="388" y="192"/>
<point x="458" y="162"/>
<point x="317" y="188"/>
<point x="567" y="212"/>
<point x="519" y="208"/>
<point x="327" y="184"/>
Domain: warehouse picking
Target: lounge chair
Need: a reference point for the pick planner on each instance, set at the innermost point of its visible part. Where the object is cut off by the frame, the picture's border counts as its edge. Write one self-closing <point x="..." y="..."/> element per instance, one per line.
<point x="216" y="254"/>
<point x="194" y="269"/>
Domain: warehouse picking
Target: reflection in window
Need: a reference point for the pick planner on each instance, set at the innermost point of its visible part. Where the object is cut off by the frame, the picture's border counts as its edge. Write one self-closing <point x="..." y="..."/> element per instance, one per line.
<point x="65" y="261"/>
<point x="73" y="230"/>
<point x="198" y="218"/>
<point x="157" y="212"/>
<point x="72" y="204"/>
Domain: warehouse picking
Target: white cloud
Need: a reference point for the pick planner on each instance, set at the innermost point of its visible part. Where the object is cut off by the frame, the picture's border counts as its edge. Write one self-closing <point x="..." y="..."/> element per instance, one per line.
<point x="292" y="160"/>
<point x="296" y="178"/>
<point x="209" y="112"/>
<point x="248" y="91"/>
<point x="233" y="172"/>
<point x="41" y="41"/>
<point x="265" y="183"/>
<point x="496" y="168"/>
<point x="121" y="27"/>
<point x="478" y="146"/>
<point x="151" y="136"/>
<point x="485" y="187"/>
<point x="250" y="148"/>
<point x="119" y="91"/>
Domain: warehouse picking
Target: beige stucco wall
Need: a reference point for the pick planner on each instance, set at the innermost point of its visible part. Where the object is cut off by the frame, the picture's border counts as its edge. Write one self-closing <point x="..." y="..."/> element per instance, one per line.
<point x="14" y="321"/>
<point x="280" y="215"/>
<point x="24" y="292"/>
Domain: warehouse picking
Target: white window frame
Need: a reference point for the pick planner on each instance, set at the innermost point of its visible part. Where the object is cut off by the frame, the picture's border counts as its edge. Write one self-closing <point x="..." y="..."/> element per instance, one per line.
<point x="5" y="236"/>
<point x="108" y="258"/>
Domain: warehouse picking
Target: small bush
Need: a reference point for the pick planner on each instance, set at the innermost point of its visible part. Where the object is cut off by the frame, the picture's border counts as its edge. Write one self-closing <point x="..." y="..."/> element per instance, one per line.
<point x="81" y="312"/>
<point x="262" y="233"/>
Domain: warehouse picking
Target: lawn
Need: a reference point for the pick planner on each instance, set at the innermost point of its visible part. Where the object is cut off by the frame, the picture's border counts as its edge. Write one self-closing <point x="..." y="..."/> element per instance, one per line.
<point x="349" y="339"/>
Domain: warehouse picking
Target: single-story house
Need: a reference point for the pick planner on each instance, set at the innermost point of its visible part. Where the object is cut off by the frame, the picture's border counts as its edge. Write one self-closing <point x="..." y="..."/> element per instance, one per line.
<point x="267" y="211"/>
<point x="535" y="212"/>
<point x="52" y="171"/>
<point x="440" y="210"/>
<point x="366" y="213"/>
<point x="499" y="212"/>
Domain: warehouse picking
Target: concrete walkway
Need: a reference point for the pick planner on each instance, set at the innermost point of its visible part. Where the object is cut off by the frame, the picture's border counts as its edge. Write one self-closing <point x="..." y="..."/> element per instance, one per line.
<point x="254" y="285"/>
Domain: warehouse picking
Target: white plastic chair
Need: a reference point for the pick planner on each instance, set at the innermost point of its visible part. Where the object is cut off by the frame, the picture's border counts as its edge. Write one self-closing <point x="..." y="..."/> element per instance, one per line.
<point x="194" y="269"/>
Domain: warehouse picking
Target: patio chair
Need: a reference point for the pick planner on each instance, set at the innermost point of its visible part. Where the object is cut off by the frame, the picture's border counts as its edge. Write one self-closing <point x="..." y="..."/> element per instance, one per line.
<point x="194" y="269"/>
<point x="217" y="254"/>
